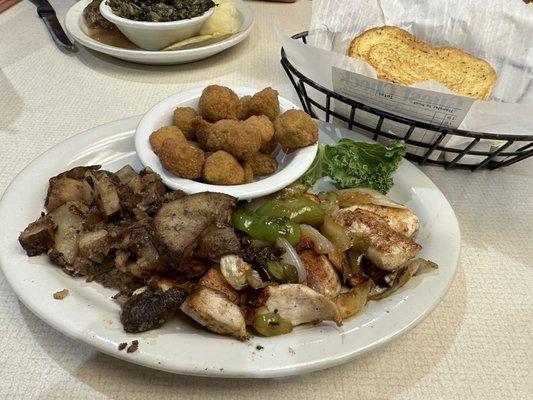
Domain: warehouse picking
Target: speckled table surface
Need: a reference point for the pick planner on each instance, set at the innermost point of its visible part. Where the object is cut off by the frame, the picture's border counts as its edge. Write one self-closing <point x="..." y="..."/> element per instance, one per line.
<point x="478" y="344"/>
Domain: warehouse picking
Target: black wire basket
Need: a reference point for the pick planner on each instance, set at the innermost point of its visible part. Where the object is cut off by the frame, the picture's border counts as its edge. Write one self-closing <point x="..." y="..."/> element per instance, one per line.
<point x="427" y="151"/>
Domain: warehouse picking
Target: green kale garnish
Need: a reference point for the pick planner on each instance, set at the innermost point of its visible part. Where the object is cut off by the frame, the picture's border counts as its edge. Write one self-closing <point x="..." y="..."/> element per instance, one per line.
<point x="356" y="164"/>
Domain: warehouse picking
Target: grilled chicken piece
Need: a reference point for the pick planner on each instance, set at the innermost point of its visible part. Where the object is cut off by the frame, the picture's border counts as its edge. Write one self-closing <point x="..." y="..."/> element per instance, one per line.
<point x="178" y="224"/>
<point x="216" y="241"/>
<point x="150" y="309"/>
<point x="213" y="310"/>
<point x="214" y="279"/>
<point x="402" y="220"/>
<point x="388" y="248"/>
<point x="69" y="219"/>
<point x="321" y="275"/>
<point x="38" y="236"/>
<point x="339" y="259"/>
<point x="296" y="303"/>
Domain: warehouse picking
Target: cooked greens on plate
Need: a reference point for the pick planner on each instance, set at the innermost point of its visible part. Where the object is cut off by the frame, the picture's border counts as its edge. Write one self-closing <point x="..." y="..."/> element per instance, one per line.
<point x="159" y="10"/>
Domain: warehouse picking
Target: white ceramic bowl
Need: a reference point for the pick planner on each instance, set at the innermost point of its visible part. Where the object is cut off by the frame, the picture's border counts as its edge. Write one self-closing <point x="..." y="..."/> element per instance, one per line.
<point x="155" y="35"/>
<point x="291" y="166"/>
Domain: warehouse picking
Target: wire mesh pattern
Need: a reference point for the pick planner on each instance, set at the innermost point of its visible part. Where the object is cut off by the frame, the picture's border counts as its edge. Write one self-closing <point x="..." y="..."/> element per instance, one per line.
<point x="506" y="149"/>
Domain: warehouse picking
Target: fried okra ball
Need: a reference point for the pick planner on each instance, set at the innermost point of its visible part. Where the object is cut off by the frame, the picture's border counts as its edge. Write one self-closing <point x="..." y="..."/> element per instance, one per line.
<point x="221" y="168"/>
<point x="218" y="102"/>
<point x="262" y="164"/>
<point x="166" y="132"/>
<point x="183" y="119"/>
<point x="263" y="125"/>
<point x="243" y="140"/>
<point x="294" y="129"/>
<point x="213" y="137"/>
<point x="265" y="102"/>
<point x="239" y="138"/>
<point x="182" y="159"/>
<point x="244" y="107"/>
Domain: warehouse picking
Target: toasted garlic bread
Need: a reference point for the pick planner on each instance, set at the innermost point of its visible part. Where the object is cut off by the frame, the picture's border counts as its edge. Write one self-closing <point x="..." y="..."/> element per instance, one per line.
<point x="400" y="57"/>
<point x="361" y="45"/>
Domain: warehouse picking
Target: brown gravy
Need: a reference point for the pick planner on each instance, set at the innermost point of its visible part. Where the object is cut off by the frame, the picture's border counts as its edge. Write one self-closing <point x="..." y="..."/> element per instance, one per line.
<point x="111" y="37"/>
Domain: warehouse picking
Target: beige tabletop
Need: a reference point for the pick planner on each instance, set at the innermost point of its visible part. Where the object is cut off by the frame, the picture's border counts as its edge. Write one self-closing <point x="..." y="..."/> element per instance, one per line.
<point x="478" y="344"/>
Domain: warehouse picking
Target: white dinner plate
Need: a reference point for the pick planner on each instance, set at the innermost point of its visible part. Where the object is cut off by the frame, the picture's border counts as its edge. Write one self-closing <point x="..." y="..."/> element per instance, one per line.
<point x="181" y="346"/>
<point x="77" y="28"/>
<point x="290" y="166"/>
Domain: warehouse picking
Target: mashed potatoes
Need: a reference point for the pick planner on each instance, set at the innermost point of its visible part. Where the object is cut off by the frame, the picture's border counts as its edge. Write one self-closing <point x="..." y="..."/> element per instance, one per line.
<point x="224" y="22"/>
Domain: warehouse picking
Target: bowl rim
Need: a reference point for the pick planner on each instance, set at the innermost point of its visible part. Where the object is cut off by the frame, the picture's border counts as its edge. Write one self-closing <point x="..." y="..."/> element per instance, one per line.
<point x="300" y="160"/>
<point x="108" y="14"/>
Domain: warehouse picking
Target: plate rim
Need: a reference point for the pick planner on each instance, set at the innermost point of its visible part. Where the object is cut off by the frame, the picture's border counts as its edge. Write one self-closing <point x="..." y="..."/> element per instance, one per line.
<point x="75" y="12"/>
<point x="125" y="126"/>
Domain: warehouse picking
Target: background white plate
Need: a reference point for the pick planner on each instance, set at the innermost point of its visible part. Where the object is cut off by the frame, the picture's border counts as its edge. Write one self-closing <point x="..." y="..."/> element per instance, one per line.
<point x="76" y="27"/>
<point x="181" y="346"/>
<point x="290" y="166"/>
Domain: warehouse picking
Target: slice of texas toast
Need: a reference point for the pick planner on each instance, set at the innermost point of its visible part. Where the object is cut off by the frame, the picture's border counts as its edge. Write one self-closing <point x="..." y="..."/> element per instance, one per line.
<point x="360" y="46"/>
<point x="399" y="57"/>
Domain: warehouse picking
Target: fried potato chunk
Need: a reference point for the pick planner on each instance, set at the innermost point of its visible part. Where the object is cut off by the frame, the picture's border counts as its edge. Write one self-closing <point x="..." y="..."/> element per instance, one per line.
<point x="262" y="164"/>
<point x="166" y="132"/>
<point x="218" y="102"/>
<point x="182" y="159"/>
<point x="183" y="118"/>
<point x="221" y="168"/>
<point x="265" y="102"/>
<point x="294" y="129"/>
